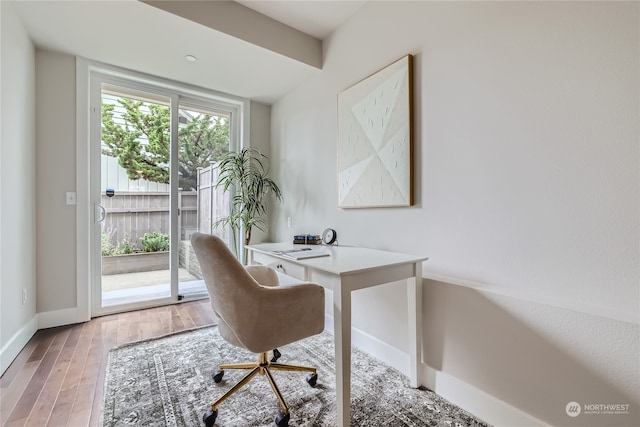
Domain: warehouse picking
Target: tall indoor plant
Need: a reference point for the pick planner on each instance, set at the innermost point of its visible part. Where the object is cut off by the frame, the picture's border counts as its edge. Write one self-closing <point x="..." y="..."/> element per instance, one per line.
<point x="246" y="173"/>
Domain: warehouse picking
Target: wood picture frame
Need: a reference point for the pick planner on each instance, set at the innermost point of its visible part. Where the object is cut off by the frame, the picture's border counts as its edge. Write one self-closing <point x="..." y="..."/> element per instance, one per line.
<point x="375" y="139"/>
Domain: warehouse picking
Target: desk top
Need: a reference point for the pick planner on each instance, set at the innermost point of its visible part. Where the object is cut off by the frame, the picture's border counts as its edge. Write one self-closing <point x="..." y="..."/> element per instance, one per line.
<point x="342" y="259"/>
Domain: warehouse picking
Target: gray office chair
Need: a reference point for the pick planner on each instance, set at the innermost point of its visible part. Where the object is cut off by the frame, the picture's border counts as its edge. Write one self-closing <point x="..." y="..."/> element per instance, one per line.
<point x="257" y="314"/>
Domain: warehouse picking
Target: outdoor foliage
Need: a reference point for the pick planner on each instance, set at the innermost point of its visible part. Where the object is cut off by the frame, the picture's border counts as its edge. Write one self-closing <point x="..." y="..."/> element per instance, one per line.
<point x="121" y="248"/>
<point x="155" y="242"/>
<point x="141" y="141"/>
<point x="151" y="242"/>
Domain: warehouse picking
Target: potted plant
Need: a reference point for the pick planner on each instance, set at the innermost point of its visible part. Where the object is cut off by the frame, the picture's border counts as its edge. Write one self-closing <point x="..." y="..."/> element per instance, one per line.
<point x="246" y="172"/>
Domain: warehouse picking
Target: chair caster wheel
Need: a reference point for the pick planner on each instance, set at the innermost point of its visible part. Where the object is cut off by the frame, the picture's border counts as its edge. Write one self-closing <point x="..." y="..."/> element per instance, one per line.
<point x="282" y="420"/>
<point x="312" y="379"/>
<point x="217" y="377"/>
<point x="209" y="417"/>
<point x="276" y="355"/>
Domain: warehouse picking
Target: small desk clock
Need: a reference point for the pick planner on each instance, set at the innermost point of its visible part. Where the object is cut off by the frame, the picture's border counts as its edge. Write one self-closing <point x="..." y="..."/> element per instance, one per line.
<point x="329" y="236"/>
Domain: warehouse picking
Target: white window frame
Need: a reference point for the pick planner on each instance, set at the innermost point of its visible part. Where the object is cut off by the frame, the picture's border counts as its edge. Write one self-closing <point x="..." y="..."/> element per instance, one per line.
<point x="86" y="72"/>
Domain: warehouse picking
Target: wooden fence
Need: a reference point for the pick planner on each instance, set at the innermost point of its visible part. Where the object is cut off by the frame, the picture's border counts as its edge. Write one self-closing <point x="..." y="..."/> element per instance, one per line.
<point x="132" y="214"/>
<point x="213" y="203"/>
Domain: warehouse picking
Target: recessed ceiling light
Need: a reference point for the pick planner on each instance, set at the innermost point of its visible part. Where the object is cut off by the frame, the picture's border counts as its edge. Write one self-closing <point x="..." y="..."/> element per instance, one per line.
<point x="191" y="58"/>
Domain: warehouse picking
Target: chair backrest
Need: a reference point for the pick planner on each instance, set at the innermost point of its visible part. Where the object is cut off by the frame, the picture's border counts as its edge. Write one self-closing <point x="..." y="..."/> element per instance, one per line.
<point x="231" y="288"/>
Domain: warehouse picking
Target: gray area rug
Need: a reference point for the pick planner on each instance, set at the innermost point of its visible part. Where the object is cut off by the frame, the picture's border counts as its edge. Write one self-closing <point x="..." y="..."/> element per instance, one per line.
<point x="167" y="382"/>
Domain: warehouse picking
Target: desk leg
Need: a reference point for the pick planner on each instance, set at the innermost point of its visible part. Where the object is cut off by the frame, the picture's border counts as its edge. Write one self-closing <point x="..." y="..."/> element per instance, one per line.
<point x="414" y="296"/>
<point x="342" y="335"/>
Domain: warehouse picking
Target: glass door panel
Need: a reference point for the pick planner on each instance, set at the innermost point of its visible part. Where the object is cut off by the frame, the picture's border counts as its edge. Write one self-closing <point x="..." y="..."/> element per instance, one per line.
<point x="153" y="168"/>
<point x="203" y="137"/>
<point x="135" y="196"/>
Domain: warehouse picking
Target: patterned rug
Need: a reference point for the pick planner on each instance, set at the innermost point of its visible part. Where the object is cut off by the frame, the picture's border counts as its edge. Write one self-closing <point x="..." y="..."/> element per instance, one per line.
<point x="167" y="382"/>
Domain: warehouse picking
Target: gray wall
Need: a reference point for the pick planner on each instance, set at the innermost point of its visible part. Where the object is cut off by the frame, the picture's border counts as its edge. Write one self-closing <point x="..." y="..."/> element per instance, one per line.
<point x="17" y="187"/>
<point x="55" y="174"/>
<point x="260" y="135"/>
<point x="526" y="188"/>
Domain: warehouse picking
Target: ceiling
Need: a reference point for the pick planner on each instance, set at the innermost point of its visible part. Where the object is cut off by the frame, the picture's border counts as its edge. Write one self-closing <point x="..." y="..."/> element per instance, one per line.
<point x="318" y="18"/>
<point x="140" y="37"/>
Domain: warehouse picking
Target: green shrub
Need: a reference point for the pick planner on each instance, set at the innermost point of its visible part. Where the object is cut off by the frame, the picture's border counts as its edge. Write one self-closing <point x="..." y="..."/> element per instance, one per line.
<point x="105" y="245"/>
<point x="155" y="242"/>
<point x="123" y="248"/>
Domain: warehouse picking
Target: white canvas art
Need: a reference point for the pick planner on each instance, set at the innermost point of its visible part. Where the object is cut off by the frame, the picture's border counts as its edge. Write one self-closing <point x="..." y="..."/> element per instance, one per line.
<point x="374" y="139"/>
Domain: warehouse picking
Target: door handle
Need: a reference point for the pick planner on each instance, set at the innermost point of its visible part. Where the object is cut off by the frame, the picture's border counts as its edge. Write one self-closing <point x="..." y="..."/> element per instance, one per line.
<point x="101" y="213"/>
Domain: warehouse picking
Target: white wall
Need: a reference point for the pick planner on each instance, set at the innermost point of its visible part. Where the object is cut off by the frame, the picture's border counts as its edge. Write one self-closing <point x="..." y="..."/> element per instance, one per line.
<point x="260" y="138"/>
<point x="56" y="174"/>
<point x="17" y="187"/>
<point x="527" y="192"/>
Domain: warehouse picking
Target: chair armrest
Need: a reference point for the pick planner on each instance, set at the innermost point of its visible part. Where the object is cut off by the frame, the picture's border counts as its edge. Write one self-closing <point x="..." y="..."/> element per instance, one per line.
<point x="265" y="276"/>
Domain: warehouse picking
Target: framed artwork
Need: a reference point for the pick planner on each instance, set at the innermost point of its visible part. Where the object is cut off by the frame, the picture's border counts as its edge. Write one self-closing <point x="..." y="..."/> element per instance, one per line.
<point x="375" y="139"/>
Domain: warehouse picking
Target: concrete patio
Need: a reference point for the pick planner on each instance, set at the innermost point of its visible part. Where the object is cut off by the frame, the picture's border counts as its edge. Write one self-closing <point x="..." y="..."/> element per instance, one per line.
<point x="142" y="286"/>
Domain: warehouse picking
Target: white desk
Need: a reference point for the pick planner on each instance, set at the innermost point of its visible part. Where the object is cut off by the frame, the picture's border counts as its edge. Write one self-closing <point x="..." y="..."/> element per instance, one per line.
<point x="346" y="270"/>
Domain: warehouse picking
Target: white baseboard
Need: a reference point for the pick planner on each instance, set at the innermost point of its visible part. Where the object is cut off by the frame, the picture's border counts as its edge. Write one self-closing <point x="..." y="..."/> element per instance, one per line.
<point x="485" y="406"/>
<point x="489" y="408"/>
<point x="17" y="342"/>
<point x="51" y="319"/>
<point x="373" y="346"/>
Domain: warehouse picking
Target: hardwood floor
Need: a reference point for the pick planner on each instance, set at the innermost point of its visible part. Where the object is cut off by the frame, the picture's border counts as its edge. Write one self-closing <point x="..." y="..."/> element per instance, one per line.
<point x="57" y="379"/>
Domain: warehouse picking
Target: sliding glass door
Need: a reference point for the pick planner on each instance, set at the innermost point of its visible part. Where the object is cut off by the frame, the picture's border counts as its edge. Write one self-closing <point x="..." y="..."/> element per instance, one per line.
<point x="203" y="137"/>
<point x="154" y="157"/>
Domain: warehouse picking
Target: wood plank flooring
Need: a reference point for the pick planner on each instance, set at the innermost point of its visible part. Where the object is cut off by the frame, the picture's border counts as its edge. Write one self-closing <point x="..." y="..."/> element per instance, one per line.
<point x="57" y="379"/>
